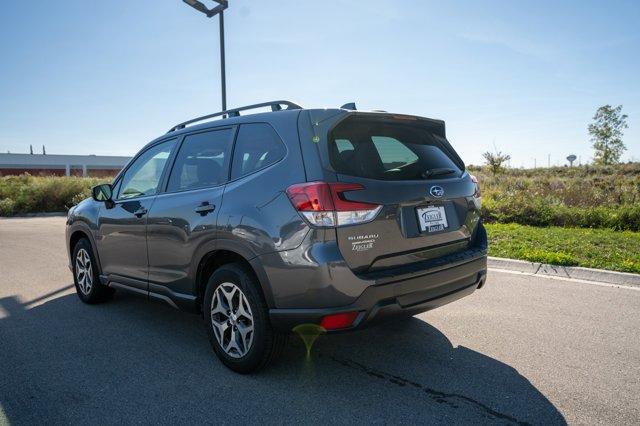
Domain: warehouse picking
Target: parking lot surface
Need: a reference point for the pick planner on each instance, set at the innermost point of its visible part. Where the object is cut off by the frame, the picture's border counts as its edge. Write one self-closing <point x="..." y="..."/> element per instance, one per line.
<point x="521" y="350"/>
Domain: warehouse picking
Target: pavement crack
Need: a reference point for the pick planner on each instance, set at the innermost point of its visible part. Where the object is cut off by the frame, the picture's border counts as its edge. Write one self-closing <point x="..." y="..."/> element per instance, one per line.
<point x="449" y="399"/>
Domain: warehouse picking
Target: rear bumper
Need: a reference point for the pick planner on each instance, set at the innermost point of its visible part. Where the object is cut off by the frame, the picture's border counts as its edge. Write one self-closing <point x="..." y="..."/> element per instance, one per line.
<point x="404" y="297"/>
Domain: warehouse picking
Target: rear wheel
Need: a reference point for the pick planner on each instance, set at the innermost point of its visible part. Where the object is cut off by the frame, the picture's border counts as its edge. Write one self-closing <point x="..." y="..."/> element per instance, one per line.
<point x="85" y="275"/>
<point x="237" y="320"/>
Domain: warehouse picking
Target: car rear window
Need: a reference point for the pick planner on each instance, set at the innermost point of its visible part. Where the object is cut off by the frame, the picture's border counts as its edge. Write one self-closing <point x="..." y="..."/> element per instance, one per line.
<point x="390" y="150"/>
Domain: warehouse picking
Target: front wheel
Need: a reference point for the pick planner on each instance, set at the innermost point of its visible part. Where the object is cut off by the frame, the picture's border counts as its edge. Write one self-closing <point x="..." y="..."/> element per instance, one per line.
<point x="85" y="275"/>
<point x="237" y="320"/>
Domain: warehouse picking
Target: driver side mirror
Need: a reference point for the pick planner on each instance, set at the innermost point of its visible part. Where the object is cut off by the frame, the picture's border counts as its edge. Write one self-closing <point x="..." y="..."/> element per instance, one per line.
<point x="103" y="193"/>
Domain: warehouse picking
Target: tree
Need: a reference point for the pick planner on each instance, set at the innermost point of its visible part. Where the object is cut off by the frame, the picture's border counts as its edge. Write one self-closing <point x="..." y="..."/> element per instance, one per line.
<point x="496" y="160"/>
<point x="606" y="134"/>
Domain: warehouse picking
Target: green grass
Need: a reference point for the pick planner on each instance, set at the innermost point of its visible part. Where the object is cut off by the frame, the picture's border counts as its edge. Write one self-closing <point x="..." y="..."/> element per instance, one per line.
<point x="591" y="248"/>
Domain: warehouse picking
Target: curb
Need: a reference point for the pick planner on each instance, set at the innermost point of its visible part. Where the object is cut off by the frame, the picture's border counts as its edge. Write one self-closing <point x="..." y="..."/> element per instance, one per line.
<point x="29" y="215"/>
<point x="575" y="272"/>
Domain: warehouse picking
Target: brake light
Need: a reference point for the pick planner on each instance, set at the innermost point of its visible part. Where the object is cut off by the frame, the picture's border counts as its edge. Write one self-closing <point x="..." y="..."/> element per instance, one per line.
<point x="337" y="321"/>
<point x="474" y="179"/>
<point x="324" y="204"/>
<point x="404" y="117"/>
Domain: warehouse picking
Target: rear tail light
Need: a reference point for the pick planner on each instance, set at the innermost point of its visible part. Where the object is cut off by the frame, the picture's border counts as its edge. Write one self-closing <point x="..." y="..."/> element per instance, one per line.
<point x="323" y="204"/>
<point x="338" y="321"/>
<point x="474" y="179"/>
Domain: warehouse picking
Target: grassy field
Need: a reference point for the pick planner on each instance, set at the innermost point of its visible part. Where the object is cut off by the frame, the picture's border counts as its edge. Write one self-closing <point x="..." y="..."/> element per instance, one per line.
<point x="583" y="197"/>
<point x="591" y="248"/>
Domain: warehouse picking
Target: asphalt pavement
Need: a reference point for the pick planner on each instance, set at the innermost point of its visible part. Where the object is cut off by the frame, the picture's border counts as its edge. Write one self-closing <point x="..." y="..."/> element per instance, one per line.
<point x="523" y="349"/>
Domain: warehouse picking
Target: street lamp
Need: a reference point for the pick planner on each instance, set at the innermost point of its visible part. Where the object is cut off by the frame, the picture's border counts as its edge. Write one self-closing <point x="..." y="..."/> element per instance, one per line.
<point x="218" y="10"/>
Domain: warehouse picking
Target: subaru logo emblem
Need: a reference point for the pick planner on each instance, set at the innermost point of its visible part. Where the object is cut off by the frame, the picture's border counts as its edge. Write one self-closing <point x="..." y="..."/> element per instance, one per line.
<point x="436" y="191"/>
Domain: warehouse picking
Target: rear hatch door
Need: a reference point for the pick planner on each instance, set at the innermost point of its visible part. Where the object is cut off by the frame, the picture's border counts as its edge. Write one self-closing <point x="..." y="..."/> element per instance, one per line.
<point x="406" y="165"/>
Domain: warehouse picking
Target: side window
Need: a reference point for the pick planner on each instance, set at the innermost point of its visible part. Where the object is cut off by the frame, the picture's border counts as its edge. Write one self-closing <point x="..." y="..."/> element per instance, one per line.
<point x="143" y="177"/>
<point x="257" y="146"/>
<point x="201" y="161"/>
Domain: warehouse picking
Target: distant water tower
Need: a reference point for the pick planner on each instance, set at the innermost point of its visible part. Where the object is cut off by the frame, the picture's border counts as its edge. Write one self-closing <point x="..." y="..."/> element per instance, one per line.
<point x="571" y="159"/>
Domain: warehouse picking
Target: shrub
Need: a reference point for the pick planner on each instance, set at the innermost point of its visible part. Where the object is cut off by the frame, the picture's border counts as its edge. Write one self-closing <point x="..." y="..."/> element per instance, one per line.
<point x="33" y="194"/>
<point x="539" y="213"/>
<point x="6" y="207"/>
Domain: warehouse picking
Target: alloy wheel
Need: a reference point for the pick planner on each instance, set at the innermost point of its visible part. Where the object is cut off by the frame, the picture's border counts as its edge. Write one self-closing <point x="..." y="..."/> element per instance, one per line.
<point x="232" y="320"/>
<point x="84" y="271"/>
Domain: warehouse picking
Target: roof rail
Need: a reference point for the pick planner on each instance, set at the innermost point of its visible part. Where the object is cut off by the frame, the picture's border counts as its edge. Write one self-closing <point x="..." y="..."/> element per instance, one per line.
<point x="235" y="112"/>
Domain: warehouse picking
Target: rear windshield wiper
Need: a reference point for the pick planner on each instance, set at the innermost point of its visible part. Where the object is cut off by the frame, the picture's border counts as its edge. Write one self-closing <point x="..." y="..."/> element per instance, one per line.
<point x="437" y="172"/>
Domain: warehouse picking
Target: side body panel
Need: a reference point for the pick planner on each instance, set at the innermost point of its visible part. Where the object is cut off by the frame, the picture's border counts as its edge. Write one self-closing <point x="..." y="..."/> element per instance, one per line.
<point x="176" y="233"/>
<point x="256" y="212"/>
<point x="121" y="240"/>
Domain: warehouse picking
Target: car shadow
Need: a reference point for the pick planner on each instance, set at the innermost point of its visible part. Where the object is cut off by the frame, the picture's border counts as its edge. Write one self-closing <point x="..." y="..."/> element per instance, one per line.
<point x="133" y="361"/>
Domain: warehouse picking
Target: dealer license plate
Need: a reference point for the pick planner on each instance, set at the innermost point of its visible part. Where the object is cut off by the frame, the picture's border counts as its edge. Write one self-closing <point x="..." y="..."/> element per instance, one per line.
<point x="432" y="219"/>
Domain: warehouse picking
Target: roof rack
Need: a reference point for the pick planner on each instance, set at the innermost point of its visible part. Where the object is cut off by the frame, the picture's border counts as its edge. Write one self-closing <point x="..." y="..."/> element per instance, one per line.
<point x="235" y="112"/>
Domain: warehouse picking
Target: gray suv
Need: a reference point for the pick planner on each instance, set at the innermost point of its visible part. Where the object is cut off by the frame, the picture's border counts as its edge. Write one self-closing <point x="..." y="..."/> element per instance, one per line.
<point x="269" y="221"/>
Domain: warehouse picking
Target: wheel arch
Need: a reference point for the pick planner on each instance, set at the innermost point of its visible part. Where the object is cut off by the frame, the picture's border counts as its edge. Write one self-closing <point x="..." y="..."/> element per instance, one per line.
<point x="214" y="259"/>
<point x="75" y="235"/>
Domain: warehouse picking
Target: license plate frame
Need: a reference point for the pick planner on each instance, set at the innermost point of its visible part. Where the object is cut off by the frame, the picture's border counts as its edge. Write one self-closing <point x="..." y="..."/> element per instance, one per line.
<point x="432" y="219"/>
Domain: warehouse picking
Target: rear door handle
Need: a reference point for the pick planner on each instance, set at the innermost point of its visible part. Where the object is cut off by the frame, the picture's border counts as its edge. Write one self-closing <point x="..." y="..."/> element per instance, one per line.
<point x="204" y="209"/>
<point x="140" y="212"/>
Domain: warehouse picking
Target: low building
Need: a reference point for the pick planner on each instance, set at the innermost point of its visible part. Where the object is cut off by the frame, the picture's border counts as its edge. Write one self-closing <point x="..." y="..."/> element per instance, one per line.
<point x="61" y="165"/>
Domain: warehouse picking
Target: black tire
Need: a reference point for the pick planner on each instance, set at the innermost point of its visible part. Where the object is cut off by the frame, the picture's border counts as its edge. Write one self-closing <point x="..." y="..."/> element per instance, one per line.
<point x="96" y="292"/>
<point x="266" y="344"/>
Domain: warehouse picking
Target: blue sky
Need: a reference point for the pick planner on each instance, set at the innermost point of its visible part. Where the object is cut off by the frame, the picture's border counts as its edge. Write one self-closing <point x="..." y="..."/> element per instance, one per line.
<point x="107" y="77"/>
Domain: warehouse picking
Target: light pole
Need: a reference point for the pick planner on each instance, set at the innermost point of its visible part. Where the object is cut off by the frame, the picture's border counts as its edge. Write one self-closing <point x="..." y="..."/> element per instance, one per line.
<point x="218" y="10"/>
